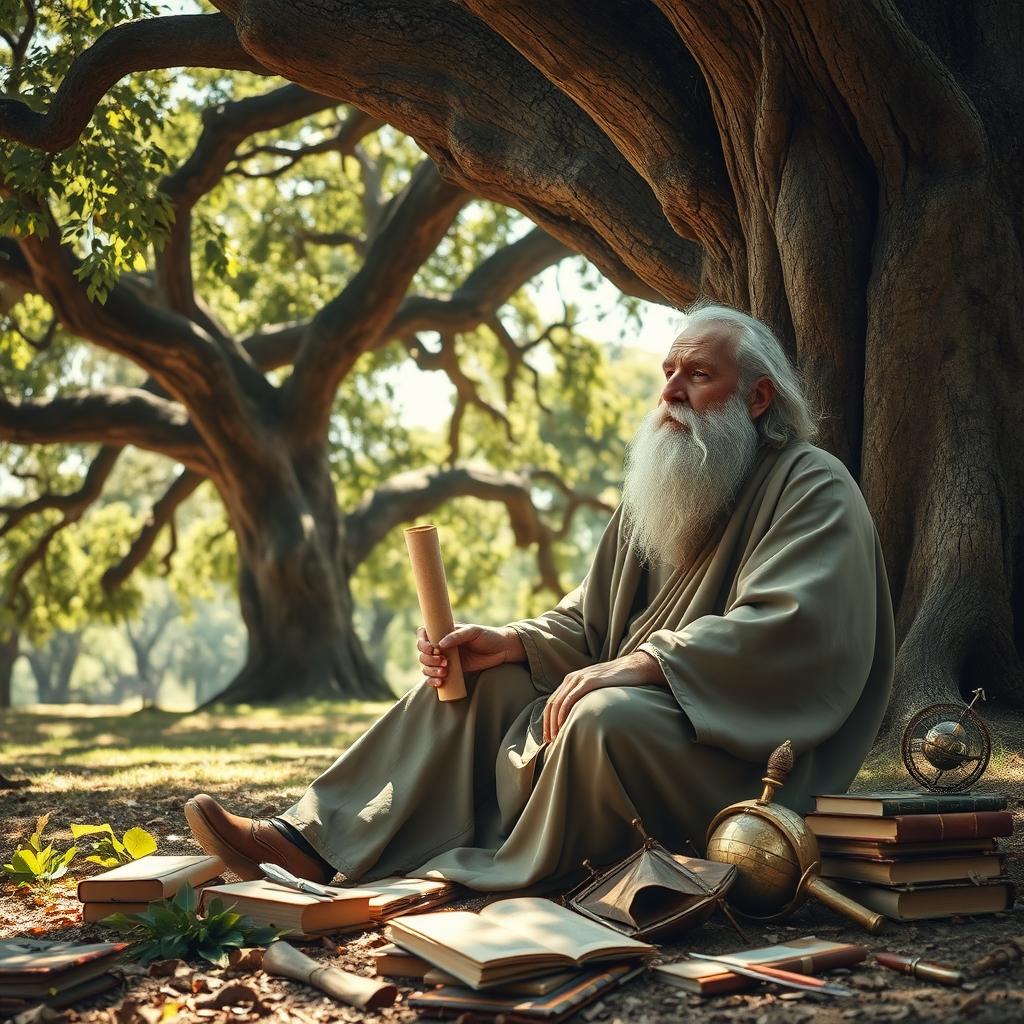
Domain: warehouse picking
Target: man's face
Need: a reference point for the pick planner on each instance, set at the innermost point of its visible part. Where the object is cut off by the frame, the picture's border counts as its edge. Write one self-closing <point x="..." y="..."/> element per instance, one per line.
<point x="700" y="368"/>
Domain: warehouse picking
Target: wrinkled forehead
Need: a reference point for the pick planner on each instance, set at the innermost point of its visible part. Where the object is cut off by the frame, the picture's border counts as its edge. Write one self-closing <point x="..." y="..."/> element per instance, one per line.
<point x="713" y="342"/>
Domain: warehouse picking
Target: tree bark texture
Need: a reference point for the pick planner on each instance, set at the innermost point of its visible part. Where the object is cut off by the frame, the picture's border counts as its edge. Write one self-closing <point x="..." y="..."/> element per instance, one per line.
<point x="850" y="171"/>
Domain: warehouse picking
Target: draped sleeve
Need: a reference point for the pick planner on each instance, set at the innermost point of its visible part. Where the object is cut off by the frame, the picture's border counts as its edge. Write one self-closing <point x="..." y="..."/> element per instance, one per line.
<point x="807" y="622"/>
<point x="573" y="634"/>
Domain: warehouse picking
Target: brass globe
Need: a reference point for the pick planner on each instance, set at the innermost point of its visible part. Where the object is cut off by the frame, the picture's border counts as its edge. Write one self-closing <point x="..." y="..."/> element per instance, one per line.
<point x="944" y="745"/>
<point x="767" y="871"/>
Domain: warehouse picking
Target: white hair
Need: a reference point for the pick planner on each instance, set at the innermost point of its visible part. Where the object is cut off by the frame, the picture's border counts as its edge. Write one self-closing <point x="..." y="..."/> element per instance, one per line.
<point x="790" y="416"/>
<point x="683" y="472"/>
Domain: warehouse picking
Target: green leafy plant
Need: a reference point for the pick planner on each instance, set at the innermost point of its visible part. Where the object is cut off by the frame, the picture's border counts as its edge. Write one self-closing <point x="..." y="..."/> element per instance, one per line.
<point x="110" y="851"/>
<point x="172" y="929"/>
<point x="35" y="865"/>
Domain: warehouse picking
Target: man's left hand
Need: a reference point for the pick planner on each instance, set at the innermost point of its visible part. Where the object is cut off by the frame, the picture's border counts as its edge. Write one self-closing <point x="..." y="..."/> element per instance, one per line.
<point x="634" y="669"/>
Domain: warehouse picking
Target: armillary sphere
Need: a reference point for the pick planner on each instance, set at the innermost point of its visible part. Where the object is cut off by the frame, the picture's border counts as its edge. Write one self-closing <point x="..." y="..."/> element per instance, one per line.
<point x="946" y="747"/>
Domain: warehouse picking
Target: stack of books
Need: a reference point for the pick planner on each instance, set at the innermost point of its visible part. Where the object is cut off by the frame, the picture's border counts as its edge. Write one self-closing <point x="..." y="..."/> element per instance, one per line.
<point x="345" y="910"/>
<point x="34" y="971"/>
<point x="526" y="959"/>
<point x="131" y="888"/>
<point x="913" y="855"/>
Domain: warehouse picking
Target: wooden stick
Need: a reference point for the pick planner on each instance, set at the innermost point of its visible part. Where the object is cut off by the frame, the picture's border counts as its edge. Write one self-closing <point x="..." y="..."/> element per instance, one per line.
<point x="287" y="962"/>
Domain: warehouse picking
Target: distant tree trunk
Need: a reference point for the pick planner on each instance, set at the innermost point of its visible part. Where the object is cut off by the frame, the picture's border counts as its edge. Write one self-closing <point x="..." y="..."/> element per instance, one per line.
<point x="381" y="617"/>
<point x="294" y="588"/>
<point x="53" y="665"/>
<point x="8" y="656"/>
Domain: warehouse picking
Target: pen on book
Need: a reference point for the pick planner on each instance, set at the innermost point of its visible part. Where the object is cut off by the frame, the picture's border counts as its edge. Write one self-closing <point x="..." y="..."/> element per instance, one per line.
<point x="789" y="979"/>
<point x="944" y="974"/>
<point x="278" y="874"/>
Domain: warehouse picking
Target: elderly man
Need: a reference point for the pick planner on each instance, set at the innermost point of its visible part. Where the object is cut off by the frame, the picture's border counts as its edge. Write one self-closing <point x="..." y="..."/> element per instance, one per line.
<point x="737" y="599"/>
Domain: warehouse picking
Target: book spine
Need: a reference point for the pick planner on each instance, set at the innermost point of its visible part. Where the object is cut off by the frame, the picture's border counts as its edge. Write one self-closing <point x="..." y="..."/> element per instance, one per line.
<point x="953" y="803"/>
<point x="982" y="824"/>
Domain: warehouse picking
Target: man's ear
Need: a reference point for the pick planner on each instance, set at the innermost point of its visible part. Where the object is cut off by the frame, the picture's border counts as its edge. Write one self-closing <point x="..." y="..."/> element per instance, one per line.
<point x="761" y="396"/>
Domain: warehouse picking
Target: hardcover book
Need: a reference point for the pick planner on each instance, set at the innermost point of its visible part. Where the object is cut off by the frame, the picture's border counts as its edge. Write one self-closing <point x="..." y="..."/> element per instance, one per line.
<point x="149" y="878"/>
<point x="887" y="803"/>
<point x="42" y="969"/>
<point x="877" y="850"/>
<point x="913" y="828"/>
<point x="919" y="903"/>
<point x="808" y="955"/>
<point x="560" y="1004"/>
<point x="392" y="961"/>
<point x="301" y="913"/>
<point x="914" y="870"/>
<point x="511" y="939"/>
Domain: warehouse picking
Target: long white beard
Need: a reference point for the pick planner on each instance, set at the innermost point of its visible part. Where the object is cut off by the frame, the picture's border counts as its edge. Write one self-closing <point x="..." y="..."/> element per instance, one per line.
<point x="678" y="481"/>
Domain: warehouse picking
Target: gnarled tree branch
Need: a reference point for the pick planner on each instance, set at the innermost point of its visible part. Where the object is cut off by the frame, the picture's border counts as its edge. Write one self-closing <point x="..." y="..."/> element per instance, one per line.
<point x="416" y="493"/>
<point x="186" y="40"/>
<point x="72" y="505"/>
<point x="112" y="416"/>
<point x="351" y="323"/>
<point x="445" y="79"/>
<point x="161" y="515"/>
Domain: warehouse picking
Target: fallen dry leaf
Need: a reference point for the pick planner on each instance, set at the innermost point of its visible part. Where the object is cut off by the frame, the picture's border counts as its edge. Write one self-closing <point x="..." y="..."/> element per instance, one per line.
<point x="134" y="1011"/>
<point x="174" y="968"/>
<point x="245" y="959"/>
<point x="233" y="994"/>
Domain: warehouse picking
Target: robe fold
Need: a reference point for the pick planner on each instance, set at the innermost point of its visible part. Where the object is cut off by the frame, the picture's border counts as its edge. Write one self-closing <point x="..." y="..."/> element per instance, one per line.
<point x="780" y="628"/>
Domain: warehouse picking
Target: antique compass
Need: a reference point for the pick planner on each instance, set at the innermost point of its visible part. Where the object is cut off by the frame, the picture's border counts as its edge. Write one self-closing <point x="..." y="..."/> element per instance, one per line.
<point x="946" y="747"/>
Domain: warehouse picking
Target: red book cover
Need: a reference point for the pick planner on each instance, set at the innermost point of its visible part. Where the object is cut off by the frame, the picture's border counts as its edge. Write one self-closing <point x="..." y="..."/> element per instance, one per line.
<point x="914" y="828"/>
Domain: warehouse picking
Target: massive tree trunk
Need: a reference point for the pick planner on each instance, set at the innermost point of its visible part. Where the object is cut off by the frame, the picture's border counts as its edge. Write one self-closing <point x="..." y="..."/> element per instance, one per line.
<point x="848" y="171"/>
<point x="294" y="586"/>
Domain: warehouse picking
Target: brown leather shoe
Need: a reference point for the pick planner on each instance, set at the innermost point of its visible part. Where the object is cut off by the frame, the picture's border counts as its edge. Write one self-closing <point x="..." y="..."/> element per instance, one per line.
<point x="244" y="843"/>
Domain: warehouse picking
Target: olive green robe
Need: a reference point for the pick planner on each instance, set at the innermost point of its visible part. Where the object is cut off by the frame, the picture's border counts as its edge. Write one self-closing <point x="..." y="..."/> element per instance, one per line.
<point x="781" y="628"/>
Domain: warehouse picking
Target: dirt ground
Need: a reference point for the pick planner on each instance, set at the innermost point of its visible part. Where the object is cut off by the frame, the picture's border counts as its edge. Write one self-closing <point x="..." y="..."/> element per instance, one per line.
<point x="89" y="765"/>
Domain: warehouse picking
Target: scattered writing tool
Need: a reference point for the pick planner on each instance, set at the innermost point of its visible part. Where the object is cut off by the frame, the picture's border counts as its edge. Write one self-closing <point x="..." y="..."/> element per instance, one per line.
<point x="944" y="974"/>
<point x="788" y="979"/>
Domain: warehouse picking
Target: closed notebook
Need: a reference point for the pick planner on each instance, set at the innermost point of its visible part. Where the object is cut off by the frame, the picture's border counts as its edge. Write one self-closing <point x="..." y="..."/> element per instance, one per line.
<point x="564" y="1002"/>
<point x="887" y="803"/>
<point x="511" y="939"/>
<point x="808" y="955"/>
<point x="916" y="904"/>
<point x="913" y="827"/>
<point x="267" y="902"/>
<point x="914" y="870"/>
<point x="147" y="879"/>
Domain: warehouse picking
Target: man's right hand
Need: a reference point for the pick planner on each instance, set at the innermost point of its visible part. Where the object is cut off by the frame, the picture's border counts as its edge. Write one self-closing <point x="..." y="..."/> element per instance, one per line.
<point x="479" y="647"/>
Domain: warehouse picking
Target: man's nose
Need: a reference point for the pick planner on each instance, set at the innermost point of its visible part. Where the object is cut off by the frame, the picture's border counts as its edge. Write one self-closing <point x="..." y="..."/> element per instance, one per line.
<point x="674" y="390"/>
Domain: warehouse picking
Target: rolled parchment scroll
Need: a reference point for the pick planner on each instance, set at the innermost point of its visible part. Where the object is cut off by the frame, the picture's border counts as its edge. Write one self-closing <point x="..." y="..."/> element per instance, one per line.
<point x="435" y="606"/>
<point x="288" y="962"/>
